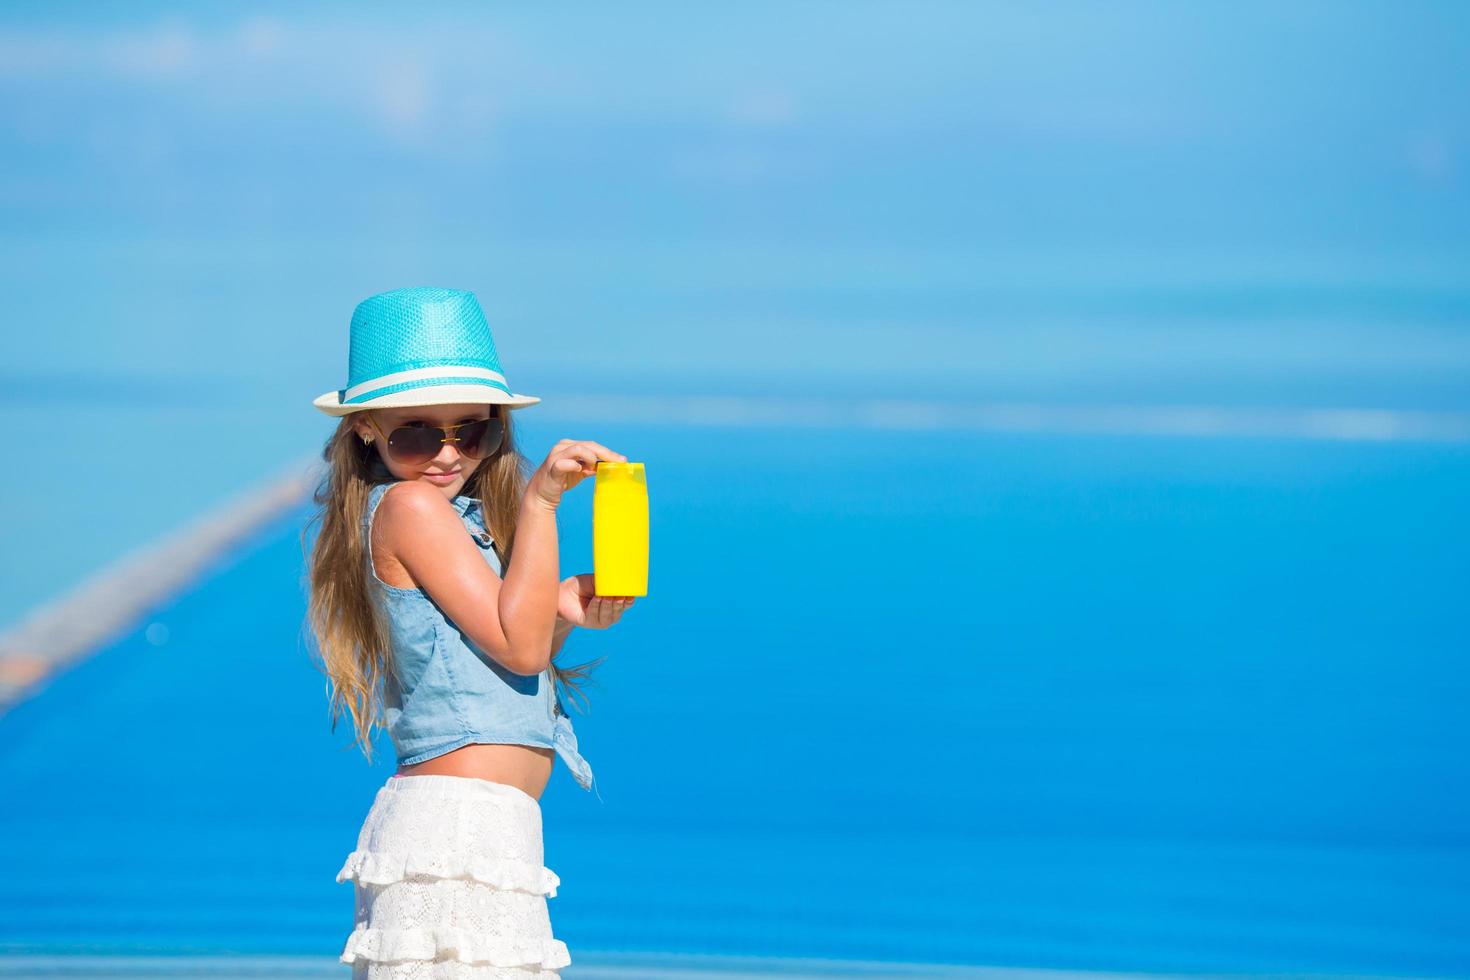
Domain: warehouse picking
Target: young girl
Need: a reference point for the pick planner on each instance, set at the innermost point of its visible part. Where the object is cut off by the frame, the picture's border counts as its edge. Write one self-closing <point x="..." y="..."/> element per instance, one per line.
<point x="437" y="611"/>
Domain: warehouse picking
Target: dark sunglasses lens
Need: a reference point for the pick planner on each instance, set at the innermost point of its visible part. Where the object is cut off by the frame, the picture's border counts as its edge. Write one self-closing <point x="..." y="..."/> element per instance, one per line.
<point x="481" y="439"/>
<point x="416" y="444"/>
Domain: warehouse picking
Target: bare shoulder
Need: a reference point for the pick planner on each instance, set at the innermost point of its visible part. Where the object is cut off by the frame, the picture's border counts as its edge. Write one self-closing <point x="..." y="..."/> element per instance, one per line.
<point x="405" y="491"/>
<point x="422" y="544"/>
<point x="405" y="513"/>
<point x="409" y="504"/>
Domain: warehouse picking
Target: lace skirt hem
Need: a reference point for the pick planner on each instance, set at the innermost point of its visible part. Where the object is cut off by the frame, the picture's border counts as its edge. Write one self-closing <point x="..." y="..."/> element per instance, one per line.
<point x="377" y="868"/>
<point x="457" y="945"/>
<point x="450" y="884"/>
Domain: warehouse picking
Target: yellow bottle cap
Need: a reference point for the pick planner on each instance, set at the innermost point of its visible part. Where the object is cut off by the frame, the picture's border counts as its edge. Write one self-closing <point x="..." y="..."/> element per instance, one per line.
<point x="608" y="469"/>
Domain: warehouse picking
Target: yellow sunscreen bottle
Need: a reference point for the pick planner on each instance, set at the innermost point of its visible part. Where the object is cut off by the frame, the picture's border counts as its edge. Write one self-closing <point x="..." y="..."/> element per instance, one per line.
<point x="620" y="529"/>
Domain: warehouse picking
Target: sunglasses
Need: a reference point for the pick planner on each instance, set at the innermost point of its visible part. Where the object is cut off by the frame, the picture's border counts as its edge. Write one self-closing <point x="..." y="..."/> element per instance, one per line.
<point x="417" y="443"/>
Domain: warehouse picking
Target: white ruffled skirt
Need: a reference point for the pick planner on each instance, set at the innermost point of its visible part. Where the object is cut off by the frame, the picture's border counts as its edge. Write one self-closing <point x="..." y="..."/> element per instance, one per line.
<point x="450" y="884"/>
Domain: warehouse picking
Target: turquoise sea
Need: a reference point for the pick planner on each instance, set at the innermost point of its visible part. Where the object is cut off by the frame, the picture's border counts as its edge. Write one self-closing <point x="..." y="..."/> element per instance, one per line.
<point x="1094" y="703"/>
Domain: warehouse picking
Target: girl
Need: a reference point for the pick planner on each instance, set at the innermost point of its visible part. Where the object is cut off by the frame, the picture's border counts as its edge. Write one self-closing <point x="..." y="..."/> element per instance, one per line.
<point x="437" y="611"/>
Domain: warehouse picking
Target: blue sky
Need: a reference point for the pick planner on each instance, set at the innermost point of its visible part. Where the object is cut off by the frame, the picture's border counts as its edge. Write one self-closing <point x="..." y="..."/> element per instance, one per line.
<point x="1175" y="216"/>
<point x="1339" y="129"/>
<point x="1136" y="201"/>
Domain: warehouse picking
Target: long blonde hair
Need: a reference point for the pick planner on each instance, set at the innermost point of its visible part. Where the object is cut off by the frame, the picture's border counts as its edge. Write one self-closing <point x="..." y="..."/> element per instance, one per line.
<point x="348" y="627"/>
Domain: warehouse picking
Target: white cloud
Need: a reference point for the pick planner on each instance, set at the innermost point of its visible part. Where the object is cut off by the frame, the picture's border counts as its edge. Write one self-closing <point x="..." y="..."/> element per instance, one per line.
<point x="260" y="37"/>
<point x="404" y="96"/>
<point x="403" y="82"/>
<point x="167" y="49"/>
<point x="764" y="107"/>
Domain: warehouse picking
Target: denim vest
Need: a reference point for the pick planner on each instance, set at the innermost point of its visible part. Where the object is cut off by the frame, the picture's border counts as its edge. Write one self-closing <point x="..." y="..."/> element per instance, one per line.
<point x="447" y="692"/>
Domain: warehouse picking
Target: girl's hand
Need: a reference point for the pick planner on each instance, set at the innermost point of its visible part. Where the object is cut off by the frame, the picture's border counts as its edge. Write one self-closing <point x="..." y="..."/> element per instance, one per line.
<point x="576" y="604"/>
<point x="567" y="465"/>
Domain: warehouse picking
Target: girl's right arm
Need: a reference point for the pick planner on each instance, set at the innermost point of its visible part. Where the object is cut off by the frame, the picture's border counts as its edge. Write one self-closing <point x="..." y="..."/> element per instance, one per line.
<point x="513" y="621"/>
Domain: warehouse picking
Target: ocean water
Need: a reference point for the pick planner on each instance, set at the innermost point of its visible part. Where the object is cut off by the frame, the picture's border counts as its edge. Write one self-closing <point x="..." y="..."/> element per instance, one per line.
<point x="1033" y="700"/>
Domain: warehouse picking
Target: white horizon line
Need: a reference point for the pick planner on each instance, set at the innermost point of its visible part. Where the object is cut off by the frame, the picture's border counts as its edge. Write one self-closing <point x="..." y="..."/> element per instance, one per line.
<point x="1325" y="423"/>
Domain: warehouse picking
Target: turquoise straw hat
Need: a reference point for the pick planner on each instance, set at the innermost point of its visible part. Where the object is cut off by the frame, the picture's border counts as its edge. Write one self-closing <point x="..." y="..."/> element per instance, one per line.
<point x="421" y="346"/>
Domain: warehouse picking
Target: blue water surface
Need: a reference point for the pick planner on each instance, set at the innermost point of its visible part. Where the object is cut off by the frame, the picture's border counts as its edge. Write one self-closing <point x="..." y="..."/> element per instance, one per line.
<point x="1093" y="703"/>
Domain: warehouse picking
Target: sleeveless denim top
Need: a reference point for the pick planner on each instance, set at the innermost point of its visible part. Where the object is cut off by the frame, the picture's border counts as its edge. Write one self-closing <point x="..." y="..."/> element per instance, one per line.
<point x="448" y="692"/>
